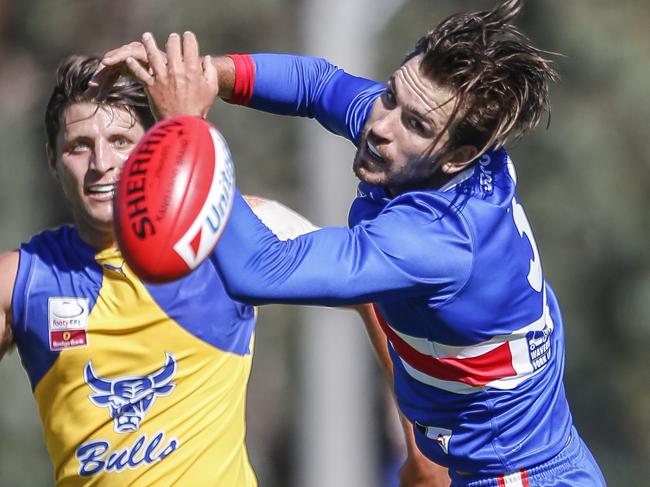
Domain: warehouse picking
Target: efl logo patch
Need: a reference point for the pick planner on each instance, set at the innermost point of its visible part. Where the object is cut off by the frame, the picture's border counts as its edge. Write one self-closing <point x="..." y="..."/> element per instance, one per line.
<point x="67" y="322"/>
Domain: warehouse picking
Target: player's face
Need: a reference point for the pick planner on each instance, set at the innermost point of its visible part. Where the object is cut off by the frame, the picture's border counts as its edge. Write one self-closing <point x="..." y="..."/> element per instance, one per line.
<point x="396" y="149"/>
<point x="92" y="145"/>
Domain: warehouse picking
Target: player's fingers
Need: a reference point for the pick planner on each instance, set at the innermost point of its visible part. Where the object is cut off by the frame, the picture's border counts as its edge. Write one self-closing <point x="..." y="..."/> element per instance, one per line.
<point x="155" y="57"/>
<point x="115" y="56"/>
<point x="210" y="74"/>
<point x="174" y="54"/>
<point x="139" y="71"/>
<point x="112" y="62"/>
<point x="191" y="52"/>
<point x="100" y="74"/>
<point x="102" y="80"/>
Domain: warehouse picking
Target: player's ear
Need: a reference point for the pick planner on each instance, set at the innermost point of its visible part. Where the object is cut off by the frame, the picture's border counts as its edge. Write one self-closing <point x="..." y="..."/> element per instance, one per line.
<point x="51" y="160"/>
<point x="458" y="159"/>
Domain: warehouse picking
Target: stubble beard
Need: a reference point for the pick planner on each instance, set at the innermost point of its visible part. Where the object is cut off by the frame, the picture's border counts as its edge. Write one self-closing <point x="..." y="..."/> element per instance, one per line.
<point x="363" y="173"/>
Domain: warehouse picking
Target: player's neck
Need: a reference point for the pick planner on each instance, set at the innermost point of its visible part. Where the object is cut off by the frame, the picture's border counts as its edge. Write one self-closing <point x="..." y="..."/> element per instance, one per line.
<point x="96" y="239"/>
<point x="437" y="181"/>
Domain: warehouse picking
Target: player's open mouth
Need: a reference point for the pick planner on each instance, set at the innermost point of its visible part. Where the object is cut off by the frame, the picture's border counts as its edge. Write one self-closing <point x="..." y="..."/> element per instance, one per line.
<point x="102" y="191"/>
<point x="374" y="152"/>
<point x="370" y="158"/>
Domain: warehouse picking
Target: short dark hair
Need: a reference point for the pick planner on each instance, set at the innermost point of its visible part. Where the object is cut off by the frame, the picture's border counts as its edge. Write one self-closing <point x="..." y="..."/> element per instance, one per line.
<point x="72" y="78"/>
<point x="499" y="80"/>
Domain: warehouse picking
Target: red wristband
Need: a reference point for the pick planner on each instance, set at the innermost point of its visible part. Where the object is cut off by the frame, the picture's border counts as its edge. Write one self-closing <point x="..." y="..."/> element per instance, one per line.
<point x="244" y="79"/>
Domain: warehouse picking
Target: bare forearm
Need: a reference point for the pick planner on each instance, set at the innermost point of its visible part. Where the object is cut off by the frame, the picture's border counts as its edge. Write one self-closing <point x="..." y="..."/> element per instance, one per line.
<point x="377" y="339"/>
<point x="226" y="69"/>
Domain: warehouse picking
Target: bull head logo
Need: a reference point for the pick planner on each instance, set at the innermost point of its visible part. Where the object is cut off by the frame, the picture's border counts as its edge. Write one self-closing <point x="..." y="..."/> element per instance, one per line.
<point x="129" y="398"/>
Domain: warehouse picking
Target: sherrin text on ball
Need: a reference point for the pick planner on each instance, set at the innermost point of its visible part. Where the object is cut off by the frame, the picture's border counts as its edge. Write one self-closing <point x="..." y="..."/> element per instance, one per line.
<point x="174" y="198"/>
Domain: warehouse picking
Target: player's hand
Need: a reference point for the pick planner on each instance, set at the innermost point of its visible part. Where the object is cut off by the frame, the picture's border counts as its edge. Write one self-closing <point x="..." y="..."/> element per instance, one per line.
<point x="419" y="471"/>
<point x="178" y="81"/>
<point x="113" y="65"/>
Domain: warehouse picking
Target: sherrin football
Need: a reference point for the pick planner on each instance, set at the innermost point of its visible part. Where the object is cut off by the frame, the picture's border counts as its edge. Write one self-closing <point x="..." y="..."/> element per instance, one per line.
<point x="174" y="198"/>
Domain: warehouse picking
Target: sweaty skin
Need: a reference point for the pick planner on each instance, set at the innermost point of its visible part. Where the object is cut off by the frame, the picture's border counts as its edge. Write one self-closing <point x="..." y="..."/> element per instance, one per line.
<point x="92" y="147"/>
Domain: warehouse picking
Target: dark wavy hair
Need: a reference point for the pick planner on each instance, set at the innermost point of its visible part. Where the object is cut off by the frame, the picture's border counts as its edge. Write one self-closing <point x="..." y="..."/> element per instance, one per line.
<point x="72" y="78"/>
<point x="499" y="79"/>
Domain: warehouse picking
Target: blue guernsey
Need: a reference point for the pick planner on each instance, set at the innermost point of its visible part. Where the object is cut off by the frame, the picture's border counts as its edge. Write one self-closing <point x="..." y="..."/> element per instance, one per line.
<point x="474" y="331"/>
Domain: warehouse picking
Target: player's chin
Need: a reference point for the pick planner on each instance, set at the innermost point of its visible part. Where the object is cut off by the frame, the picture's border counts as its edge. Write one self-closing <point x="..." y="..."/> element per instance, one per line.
<point x="99" y="205"/>
<point x="369" y="174"/>
<point x="101" y="216"/>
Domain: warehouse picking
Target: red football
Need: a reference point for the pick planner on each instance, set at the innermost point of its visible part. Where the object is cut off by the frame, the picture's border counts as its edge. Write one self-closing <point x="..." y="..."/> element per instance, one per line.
<point x="173" y="199"/>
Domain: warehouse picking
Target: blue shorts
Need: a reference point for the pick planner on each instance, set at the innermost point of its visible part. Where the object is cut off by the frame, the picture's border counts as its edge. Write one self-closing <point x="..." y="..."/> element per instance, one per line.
<point x="574" y="466"/>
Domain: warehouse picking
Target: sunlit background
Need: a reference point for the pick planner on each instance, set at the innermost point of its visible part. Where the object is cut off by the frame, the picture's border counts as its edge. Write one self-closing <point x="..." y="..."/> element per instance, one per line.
<point x="318" y="413"/>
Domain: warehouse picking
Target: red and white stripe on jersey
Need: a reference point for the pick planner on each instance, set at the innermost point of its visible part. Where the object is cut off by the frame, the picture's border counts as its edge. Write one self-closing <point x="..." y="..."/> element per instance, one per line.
<point x="517" y="479"/>
<point x="502" y="362"/>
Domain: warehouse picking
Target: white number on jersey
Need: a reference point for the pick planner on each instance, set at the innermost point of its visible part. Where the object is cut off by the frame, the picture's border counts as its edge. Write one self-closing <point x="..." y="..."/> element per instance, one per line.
<point x="521" y="222"/>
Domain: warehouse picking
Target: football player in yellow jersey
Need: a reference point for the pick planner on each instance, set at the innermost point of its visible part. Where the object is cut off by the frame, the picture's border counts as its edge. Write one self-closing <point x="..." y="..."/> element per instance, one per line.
<point x="136" y="384"/>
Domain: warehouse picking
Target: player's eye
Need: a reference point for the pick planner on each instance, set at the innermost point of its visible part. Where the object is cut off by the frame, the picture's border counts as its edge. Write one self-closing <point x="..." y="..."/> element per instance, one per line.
<point x="416" y="125"/>
<point x="77" y="147"/>
<point x="122" y="142"/>
<point x="389" y="97"/>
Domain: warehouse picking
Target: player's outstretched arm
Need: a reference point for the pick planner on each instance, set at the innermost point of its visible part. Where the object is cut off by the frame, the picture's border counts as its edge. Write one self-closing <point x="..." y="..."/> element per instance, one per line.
<point x="304" y="86"/>
<point x="418" y="470"/>
<point x="8" y="270"/>
<point x="278" y="83"/>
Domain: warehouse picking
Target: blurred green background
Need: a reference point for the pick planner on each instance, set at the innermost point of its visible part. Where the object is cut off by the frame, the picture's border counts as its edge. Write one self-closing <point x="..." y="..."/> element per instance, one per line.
<point x="585" y="184"/>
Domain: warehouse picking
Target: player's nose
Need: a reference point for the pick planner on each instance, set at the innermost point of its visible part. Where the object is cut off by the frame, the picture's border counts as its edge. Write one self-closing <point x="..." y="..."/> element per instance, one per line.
<point x="383" y="125"/>
<point x="103" y="158"/>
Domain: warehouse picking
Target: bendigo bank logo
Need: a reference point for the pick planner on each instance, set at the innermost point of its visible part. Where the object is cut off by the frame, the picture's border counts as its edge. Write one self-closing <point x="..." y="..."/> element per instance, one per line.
<point x="67" y="322"/>
<point x="128" y="399"/>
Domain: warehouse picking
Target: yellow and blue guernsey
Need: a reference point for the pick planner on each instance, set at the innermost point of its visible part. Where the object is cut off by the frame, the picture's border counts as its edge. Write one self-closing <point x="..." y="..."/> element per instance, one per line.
<point x="136" y="384"/>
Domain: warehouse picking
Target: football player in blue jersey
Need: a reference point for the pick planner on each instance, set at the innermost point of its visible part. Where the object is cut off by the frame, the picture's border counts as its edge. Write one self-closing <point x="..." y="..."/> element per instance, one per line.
<point x="438" y="239"/>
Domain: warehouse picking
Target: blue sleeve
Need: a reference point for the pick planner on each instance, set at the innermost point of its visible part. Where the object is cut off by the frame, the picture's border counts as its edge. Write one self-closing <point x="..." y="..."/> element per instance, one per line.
<point x="313" y="87"/>
<point x="409" y="250"/>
